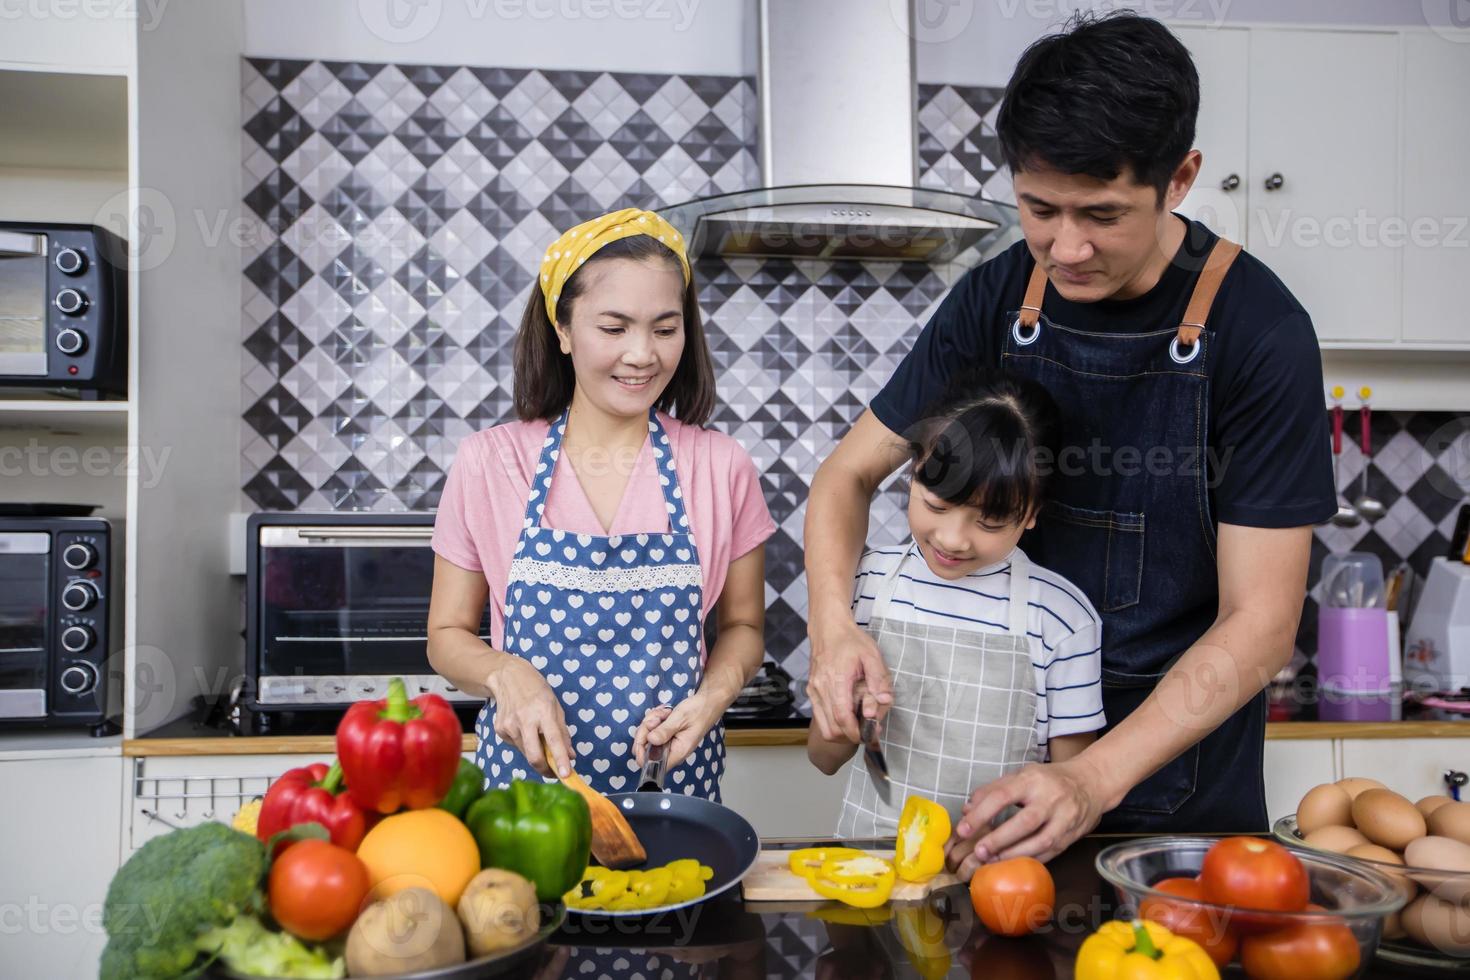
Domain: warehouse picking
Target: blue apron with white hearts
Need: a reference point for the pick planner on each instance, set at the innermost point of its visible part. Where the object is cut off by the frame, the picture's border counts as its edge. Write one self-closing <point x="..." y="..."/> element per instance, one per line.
<point x="614" y="624"/>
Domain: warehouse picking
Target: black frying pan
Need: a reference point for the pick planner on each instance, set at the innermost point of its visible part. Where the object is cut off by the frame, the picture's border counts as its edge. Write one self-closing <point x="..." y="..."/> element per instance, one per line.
<point x="672" y="826"/>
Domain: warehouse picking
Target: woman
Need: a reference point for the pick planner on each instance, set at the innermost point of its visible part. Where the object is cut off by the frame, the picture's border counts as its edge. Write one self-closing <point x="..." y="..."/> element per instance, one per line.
<point x="603" y="526"/>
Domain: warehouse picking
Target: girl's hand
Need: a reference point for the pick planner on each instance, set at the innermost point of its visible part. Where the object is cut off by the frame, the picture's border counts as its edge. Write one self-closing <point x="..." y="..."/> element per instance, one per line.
<point x="680" y="729"/>
<point x="527" y="712"/>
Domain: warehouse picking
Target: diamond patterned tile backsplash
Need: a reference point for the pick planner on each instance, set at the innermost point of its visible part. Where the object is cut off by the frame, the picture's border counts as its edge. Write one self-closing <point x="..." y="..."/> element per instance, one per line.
<point x="400" y="211"/>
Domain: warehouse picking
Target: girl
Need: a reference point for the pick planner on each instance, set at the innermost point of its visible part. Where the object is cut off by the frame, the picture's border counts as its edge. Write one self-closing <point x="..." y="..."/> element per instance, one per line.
<point x="603" y="526"/>
<point x="995" y="662"/>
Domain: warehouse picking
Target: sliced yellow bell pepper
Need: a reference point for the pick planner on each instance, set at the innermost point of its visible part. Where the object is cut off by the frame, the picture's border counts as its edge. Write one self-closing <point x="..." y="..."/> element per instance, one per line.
<point x="1142" y="951"/>
<point x="923" y="829"/>
<point x="620" y="891"/>
<point x="809" y="860"/>
<point x="863" y="882"/>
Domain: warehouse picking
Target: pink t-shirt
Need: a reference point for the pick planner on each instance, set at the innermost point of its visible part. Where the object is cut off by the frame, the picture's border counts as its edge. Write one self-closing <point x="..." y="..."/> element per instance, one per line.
<point x="484" y="503"/>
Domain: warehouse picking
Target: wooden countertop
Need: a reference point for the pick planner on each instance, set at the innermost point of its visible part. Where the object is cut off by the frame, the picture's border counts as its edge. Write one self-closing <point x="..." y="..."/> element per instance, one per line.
<point x="323" y="744"/>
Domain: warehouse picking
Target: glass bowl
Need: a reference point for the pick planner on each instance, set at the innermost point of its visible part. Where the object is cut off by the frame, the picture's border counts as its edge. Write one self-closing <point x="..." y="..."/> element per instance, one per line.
<point x="1351" y="894"/>
<point x="1452" y="886"/>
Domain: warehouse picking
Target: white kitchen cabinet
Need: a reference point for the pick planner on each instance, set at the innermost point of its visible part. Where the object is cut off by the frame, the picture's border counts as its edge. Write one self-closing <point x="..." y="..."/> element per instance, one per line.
<point x="61" y="840"/>
<point x="1435" y="146"/>
<point x="1294" y="766"/>
<point x="1221" y="193"/>
<point x="1413" y="767"/>
<point x="1324" y="134"/>
<point x="780" y="792"/>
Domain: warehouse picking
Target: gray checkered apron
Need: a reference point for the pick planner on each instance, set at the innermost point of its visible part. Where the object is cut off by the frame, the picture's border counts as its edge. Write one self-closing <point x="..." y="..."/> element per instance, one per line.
<point x="964" y="709"/>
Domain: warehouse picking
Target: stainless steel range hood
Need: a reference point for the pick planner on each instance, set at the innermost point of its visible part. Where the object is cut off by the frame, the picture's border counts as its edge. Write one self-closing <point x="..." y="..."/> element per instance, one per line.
<point x="839" y="154"/>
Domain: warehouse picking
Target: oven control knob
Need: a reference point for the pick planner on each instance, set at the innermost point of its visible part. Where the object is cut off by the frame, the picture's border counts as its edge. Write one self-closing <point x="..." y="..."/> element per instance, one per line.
<point x="78" y="679"/>
<point x="75" y="639"/>
<point x="71" y="301"/>
<point x="71" y="342"/>
<point x="70" y="261"/>
<point x="78" y="556"/>
<point x="79" y="596"/>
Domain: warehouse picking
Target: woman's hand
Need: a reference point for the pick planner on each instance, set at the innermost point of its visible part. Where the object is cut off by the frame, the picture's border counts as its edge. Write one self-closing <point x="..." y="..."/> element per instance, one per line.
<point x="528" y="712"/>
<point x="680" y="729"/>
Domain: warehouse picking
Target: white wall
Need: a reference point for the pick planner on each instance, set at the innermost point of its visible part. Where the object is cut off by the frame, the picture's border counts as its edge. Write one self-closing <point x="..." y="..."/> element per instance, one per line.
<point x="707" y="37"/>
<point x="977" y="42"/>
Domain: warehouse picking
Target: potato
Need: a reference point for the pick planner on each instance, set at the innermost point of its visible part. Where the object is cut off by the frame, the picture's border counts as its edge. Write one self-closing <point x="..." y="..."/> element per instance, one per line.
<point x="499" y="910"/>
<point x="408" y="931"/>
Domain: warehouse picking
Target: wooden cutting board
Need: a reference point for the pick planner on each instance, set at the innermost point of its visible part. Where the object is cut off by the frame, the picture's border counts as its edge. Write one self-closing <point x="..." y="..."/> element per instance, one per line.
<point x="771" y="879"/>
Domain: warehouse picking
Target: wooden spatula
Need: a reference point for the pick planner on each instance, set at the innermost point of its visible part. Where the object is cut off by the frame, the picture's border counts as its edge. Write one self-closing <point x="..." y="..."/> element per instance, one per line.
<point x="613" y="842"/>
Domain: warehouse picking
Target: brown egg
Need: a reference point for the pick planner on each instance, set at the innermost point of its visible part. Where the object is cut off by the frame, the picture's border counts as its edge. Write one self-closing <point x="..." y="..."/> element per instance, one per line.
<point x="1451" y="819"/>
<point x="1393" y="925"/>
<point x="1356" y="784"/>
<point x="1337" y="839"/>
<point x="1387" y="818"/>
<point x="1438" y="924"/>
<point x="1429" y="804"/>
<point x="1439" y="853"/>
<point x="1328" y="805"/>
<point x="1372" y="852"/>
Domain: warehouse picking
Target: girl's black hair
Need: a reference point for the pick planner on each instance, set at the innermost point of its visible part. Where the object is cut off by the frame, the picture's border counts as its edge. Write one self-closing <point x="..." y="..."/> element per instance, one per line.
<point x="989" y="442"/>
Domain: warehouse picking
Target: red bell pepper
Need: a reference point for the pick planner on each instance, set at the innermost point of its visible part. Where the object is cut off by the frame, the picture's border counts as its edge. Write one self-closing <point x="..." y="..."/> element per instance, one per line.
<point x="312" y="794"/>
<point x="399" y="753"/>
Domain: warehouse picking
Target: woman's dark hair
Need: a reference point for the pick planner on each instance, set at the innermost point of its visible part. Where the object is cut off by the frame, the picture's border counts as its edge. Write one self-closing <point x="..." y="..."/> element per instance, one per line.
<point x="990" y="442"/>
<point x="1106" y="94"/>
<point x="544" y="379"/>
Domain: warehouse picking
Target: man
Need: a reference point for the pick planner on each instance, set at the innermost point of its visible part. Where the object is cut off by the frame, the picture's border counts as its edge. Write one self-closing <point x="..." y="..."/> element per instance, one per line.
<point x="1190" y="383"/>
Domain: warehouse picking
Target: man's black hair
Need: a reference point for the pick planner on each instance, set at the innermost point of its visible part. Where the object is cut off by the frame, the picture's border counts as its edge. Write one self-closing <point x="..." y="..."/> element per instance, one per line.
<point x="1106" y="95"/>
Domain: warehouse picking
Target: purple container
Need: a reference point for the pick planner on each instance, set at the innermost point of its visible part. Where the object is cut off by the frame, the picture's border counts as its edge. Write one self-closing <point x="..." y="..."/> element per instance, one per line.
<point x="1352" y="651"/>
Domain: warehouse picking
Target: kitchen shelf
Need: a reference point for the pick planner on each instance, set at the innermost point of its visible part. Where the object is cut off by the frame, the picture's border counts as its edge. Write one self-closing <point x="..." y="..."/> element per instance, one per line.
<point x="17" y="746"/>
<point x="63" y="417"/>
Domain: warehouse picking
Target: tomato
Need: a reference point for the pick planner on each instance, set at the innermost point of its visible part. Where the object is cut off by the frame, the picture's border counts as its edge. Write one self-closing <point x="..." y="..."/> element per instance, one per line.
<point x="316" y="889"/>
<point x="1208" y="927"/>
<point x="1322" y="950"/>
<point x="1013" y="897"/>
<point x="1251" y="873"/>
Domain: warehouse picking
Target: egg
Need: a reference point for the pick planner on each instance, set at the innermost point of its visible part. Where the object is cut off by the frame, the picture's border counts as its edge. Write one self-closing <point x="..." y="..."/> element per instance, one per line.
<point x="1393" y="925"/>
<point x="1429" y="804"/>
<point x="1356" y="784"/>
<point x="1372" y="852"/>
<point x="1338" y="839"/>
<point x="1446" y="855"/>
<point x="1451" y="819"/>
<point x="1438" y="924"/>
<point x="1328" y="805"/>
<point x="1387" y="818"/>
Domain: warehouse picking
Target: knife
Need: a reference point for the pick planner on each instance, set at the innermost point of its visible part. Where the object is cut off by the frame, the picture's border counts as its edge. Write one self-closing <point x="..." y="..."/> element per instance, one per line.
<point x="873" y="757"/>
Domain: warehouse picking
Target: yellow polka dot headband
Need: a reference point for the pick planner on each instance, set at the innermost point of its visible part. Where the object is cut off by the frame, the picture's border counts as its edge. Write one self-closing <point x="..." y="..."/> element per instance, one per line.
<point x="576" y="246"/>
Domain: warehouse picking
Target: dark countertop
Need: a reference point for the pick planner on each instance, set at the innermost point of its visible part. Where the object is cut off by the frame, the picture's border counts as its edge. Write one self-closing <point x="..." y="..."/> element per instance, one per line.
<point x="730" y="938"/>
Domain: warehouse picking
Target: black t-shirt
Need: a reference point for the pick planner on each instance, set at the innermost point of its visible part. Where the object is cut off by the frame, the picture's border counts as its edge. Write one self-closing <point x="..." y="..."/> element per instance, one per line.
<point x="1267" y="420"/>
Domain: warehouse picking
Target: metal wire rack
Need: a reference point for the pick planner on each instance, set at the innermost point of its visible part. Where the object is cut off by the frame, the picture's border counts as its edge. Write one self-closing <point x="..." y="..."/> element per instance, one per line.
<point x="176" y="801"/>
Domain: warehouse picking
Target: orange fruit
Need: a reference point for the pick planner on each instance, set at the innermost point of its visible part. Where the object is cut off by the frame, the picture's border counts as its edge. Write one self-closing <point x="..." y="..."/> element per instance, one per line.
<point x="420" y="849"/>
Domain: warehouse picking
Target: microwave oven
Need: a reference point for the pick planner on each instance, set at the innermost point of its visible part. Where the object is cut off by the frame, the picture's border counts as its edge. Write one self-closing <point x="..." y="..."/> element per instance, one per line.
<point x="63" y="309"/>
<point x="337" y="605"/>
<point x="59" y="616"/>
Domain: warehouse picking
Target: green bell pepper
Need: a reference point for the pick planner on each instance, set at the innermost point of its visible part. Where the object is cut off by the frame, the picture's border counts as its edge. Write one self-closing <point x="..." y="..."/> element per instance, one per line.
<point x="541" y="831"/>
<point x="469" y="783"/>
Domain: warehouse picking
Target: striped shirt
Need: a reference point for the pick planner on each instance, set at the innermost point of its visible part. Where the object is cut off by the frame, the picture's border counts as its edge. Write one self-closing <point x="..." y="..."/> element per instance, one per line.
<point x="1067" y="659"/>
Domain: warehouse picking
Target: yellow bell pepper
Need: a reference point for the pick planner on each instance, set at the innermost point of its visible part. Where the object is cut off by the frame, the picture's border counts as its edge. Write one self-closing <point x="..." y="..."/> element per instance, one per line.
<point x="1142" y="951"/>
<point x="923" y="829"/>
<point x="864" y="882"/>
<point x="623" y="891"/>
<point x="921" y="931"/>
<point x="809" y="860"/>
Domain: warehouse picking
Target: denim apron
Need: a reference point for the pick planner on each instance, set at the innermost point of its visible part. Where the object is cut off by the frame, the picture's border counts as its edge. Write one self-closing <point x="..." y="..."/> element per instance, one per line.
<point x="615" y="625"/>
<point x="1130" y="525"/>
<point x="964" y="707"/>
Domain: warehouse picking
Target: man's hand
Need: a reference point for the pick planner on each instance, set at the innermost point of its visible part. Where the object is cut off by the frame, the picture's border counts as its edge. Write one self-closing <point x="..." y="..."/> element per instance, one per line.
<point x="843" y="657"/>
<point x="1060" y="802"/>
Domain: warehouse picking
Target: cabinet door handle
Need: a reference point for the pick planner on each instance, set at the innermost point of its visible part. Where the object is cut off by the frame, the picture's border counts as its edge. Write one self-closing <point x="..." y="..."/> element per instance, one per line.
<point x="1274" y="182"/>
<point x="1230" y="183"/>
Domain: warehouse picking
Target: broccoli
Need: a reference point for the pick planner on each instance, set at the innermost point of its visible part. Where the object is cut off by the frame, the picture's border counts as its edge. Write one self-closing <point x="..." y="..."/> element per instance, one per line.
<point x="247" y="946"/>
<point x="172" y="890"/>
